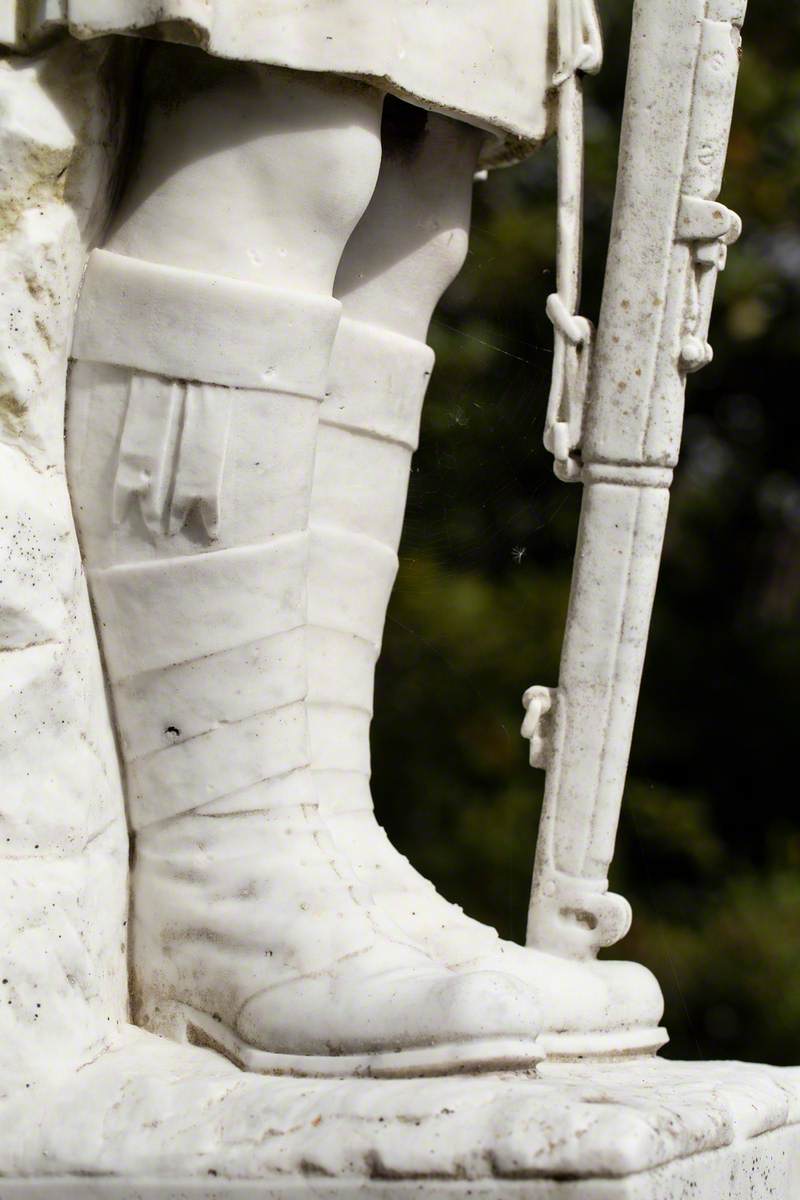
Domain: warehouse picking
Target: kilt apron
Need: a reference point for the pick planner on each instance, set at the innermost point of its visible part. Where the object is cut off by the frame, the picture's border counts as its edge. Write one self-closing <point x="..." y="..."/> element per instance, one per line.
<point x="487" y="62"/>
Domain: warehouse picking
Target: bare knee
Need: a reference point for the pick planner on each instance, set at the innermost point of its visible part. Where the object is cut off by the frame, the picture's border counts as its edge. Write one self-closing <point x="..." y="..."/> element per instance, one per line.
<point x="413" y="238"/>
<point x="248" y="171"/>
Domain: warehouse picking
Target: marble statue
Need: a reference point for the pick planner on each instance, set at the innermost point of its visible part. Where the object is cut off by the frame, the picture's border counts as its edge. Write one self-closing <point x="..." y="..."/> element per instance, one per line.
<point x="235" y="219"/>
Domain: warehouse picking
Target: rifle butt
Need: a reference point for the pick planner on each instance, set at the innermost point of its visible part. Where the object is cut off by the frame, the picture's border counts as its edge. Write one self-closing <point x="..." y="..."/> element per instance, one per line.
<point x="669" y="240"/>
<point x="620" y="539"/>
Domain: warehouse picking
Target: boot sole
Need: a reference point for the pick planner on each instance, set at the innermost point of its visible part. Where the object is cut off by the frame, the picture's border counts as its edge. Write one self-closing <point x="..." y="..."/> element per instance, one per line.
<point x="186" y="1024"/>
<point x="619" y="1043"/>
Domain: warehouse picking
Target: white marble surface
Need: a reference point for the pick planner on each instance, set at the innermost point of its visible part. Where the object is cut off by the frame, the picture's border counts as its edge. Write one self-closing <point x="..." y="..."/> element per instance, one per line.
<point x="63" y="842"/>
<point x="614" y="425"/>
<point x="462" y="982"/>
<point x="495" y="72"/>
<point x="203" y="335"/>
<point x="152" y="1111"/>
<point x="91" y="1106"/>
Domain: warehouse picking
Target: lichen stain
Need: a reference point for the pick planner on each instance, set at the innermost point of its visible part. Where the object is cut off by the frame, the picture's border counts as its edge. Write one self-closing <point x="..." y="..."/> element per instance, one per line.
<point x="43" y="332"/>
<point x="12" y="414"/>
<point x="44" y="168"/>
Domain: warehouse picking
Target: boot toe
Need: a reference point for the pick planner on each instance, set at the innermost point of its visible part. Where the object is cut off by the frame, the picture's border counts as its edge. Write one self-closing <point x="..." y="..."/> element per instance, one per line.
<point x="389" y="1011"/>
<point x="634" y="995"/>
<point x="485" y="1004"/>
<point x="587" y="997"/>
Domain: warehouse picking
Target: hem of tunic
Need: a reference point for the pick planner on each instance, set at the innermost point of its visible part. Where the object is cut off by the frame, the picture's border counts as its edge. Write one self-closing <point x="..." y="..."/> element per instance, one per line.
<point x="497" y="79"/>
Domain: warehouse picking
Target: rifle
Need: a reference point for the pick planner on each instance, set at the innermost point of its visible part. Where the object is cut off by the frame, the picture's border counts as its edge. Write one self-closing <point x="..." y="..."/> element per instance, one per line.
<point x="614" y="424"/>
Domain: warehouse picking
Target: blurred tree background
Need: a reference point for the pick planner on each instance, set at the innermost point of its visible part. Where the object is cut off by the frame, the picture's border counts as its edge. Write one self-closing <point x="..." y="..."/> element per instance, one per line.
<point x="709" y="846"/>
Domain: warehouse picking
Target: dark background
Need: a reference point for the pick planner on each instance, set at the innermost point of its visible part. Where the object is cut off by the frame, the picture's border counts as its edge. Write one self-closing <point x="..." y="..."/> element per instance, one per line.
<point x="709" y="846"/>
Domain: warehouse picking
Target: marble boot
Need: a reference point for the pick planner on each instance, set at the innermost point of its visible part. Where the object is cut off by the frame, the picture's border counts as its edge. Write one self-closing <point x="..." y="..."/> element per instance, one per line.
<point x="369" y="426"/>
<point x="190" y="481"/>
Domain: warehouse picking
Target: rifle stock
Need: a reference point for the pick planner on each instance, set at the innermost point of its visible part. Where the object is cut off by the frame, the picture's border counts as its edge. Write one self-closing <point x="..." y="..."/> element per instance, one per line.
<point x="668" y="241"/>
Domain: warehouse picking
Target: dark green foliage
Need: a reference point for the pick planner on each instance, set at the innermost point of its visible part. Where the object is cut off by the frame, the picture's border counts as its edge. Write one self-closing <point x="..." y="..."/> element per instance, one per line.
<point x="709" y="847"/>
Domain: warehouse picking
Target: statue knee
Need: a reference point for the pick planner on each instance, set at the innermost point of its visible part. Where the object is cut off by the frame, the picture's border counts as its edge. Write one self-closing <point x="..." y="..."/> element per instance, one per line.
<point x="253" y="172"/>
<point x="413" y="239"/>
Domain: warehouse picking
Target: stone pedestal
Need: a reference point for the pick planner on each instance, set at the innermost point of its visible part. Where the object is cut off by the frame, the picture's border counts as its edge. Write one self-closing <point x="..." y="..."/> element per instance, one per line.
<point x="152" y="1119"/>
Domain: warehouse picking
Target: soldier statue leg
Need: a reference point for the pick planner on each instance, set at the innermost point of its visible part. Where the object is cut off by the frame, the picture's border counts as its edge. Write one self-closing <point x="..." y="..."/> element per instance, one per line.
<point x="203" y="335"/>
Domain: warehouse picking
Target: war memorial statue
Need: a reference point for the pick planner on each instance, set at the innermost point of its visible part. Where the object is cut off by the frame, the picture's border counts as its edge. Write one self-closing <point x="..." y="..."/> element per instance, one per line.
<point x="226" y="226"/>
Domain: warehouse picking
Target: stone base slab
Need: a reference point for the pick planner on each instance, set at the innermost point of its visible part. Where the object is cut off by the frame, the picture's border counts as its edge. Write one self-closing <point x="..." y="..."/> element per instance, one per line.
<point x="150" y="1119"/>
